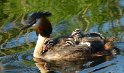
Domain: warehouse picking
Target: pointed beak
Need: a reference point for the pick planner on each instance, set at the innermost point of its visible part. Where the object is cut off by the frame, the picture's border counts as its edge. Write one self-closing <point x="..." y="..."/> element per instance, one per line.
<point x="27" y="26"/>
<point x="29" y="23"/>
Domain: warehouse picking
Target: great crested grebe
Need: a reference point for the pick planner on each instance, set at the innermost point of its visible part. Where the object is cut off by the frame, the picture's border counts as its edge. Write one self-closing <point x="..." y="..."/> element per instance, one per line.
<point x="77" y="45"/>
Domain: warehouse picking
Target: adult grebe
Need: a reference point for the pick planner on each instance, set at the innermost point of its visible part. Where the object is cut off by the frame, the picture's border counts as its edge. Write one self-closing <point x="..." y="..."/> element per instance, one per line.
<point x="75" y="46"/>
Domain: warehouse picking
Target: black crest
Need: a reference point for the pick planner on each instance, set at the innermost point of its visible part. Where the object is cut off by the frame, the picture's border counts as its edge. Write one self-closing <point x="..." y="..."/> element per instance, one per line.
<point x="32" y="19"/>
<point x="40" y="14"/>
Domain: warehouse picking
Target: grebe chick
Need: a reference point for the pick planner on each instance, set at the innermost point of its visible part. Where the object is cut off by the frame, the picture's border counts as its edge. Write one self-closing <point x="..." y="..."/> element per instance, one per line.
<point x="76" y="36"/>
<point x="48" y="43"/>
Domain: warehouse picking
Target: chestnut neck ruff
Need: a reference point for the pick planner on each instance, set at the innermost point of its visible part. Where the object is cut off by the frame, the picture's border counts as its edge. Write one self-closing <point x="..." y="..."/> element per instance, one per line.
<point x="45" y="28"/>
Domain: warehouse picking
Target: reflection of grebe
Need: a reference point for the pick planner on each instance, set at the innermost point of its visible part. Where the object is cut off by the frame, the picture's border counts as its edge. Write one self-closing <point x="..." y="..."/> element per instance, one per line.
<point x="71" y="66"/>
<point x="1" y="68"/>
<point x="75" y="46"/>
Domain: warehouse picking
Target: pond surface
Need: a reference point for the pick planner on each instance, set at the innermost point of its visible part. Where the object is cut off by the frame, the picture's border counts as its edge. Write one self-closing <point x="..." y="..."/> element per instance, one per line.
<point x="16" y="46"/>
<point x="15" y="57"/>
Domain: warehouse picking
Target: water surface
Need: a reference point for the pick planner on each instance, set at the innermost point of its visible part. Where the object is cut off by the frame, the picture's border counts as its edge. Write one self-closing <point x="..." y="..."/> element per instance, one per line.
<point x="16" y="46"/>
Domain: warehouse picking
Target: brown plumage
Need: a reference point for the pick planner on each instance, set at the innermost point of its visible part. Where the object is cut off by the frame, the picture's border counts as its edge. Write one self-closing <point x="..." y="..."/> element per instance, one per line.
<point x="77" y="45"/>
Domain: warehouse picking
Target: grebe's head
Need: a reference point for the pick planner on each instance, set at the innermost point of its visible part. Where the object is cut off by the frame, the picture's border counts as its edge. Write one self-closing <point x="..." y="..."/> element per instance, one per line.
<point x="76" y="35"/>
<point x="77" y="32"/>
<point x="39" y="22"/>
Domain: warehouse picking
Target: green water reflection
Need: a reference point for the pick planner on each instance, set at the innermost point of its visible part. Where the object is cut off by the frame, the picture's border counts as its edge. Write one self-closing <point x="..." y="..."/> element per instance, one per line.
<point x="16" y="47"/>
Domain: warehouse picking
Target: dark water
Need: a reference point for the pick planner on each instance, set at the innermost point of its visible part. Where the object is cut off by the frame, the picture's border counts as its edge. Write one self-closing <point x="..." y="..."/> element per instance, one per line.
<point x="15" y="58"/>
<point x="16" y="47"/>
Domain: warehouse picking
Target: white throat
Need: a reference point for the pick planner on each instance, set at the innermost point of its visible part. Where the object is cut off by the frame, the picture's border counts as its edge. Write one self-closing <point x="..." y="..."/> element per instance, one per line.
<point x="39" y="46"/>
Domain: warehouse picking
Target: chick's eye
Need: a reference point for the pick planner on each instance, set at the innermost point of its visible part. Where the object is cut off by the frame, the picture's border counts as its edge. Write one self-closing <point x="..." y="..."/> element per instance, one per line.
<point x="45" y="42"/>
